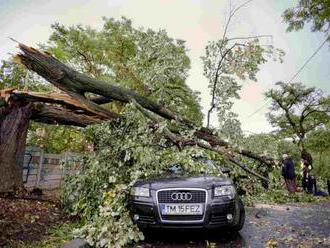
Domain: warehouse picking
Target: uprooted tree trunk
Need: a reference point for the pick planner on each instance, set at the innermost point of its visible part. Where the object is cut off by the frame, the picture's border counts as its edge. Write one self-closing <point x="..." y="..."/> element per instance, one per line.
<point x="77" y="84"/>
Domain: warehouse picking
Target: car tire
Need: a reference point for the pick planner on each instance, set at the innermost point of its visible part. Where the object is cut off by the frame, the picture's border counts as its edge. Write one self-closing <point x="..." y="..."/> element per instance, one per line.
<point x="240" y="223"/>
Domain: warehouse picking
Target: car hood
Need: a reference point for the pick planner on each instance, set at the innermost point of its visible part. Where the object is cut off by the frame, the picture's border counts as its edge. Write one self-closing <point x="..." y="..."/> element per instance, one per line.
<point x="204" y="182"/>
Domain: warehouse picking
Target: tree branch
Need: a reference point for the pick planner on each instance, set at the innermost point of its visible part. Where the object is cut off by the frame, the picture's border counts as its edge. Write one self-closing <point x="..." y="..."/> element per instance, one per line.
<point x="287" y="113"/>
<point x="250" y="37"/>
<point x="231" y="15"/>
<point x="180" y="142"/>
<point x="217" y="74"/>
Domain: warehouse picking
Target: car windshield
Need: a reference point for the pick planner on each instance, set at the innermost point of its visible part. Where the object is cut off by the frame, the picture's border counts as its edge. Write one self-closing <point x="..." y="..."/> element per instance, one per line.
<point x="210" y="168"/>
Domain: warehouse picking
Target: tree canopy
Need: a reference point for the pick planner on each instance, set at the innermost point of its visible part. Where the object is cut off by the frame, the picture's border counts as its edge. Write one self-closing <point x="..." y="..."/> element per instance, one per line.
<point x="146" y="61"/>
<point x="313" y="12"/>
<point x="297" y="110"/>
<point x="228" y="62"/>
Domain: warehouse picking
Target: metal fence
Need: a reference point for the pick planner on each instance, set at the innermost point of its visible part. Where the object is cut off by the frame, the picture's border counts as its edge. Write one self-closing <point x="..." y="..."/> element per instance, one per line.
<point x="47" y="171"/>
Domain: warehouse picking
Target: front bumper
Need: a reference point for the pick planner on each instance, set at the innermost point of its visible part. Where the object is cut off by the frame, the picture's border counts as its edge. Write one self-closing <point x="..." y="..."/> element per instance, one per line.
<point x="215" y="214"/>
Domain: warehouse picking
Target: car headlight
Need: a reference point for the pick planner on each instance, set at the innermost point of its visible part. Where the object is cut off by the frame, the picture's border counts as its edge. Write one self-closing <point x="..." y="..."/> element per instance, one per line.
<point x="140" y="191"/>
<point x="226" y="190"/>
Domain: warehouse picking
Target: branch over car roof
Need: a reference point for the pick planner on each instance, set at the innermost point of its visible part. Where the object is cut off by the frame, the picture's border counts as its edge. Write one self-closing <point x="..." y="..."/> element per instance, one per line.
<point x="76" y="84"/>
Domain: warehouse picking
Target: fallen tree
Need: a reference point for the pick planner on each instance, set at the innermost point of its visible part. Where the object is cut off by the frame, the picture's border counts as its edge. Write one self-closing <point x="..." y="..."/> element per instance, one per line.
<point x="72" y="107"/>
<point x="77" y="84"/>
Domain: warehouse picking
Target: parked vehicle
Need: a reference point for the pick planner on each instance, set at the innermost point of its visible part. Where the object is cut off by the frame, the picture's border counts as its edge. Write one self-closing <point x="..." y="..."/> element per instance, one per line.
<point x="204" y="202"/>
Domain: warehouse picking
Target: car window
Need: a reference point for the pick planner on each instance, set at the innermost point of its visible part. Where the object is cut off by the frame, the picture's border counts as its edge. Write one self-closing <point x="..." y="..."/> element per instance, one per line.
<point x="210" y="167"/>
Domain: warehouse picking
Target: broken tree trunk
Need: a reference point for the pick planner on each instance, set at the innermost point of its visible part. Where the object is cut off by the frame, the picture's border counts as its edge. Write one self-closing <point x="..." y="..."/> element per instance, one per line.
<point x="57" y="115"/>
<point x="14" y="122"/>
<point x="59" y="108"/>
<point x="57" y="98"/>
<point x="18" y="108"/>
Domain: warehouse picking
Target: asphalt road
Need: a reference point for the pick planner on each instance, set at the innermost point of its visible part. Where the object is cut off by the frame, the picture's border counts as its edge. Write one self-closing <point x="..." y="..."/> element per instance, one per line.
<point x="304" y="225"/>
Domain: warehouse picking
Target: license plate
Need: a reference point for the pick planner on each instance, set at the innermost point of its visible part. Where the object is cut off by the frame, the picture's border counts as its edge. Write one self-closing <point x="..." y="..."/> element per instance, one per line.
<point x="181" y="209"/>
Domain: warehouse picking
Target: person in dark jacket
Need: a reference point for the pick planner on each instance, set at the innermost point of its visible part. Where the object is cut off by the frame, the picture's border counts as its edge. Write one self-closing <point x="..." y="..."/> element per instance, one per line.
<point x="307" y="180"/>
<point x="288" y="172"/>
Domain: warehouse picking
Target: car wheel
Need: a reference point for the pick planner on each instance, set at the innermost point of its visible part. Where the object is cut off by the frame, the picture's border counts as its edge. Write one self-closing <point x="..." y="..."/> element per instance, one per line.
<point x="239" y="225"/>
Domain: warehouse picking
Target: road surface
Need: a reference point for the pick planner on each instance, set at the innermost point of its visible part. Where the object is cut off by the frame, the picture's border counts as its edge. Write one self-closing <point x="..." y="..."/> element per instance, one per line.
<point x="300" y="225"/>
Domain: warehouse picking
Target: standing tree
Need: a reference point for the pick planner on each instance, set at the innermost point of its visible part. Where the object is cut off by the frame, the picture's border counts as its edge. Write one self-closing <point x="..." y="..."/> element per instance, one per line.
<point x="227" y="62"/>
<point x="297" y="110"/>
<point x="316" y="12"/>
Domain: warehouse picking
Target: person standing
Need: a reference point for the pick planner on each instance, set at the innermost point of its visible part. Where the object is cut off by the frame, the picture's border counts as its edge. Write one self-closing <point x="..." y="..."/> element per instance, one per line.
<point x="288" y="172"/>
<point x="307" y="179"/>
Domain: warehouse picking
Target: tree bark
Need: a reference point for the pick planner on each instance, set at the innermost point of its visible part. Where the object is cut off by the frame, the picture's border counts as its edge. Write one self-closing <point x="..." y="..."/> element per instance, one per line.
<point x="14" y="122"/>
<point x="56" y="98"/>
<point x="49" y="114"/>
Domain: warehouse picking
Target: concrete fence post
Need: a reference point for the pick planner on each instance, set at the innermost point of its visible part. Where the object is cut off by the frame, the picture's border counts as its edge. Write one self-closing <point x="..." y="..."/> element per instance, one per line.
<point x="64" y="167"/>
<point x="40" y="167"/>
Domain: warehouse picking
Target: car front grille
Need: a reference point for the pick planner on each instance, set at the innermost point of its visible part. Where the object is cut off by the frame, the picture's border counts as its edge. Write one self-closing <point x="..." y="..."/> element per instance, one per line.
<point x="198" y="196"/>
<point x="182" y="217"/>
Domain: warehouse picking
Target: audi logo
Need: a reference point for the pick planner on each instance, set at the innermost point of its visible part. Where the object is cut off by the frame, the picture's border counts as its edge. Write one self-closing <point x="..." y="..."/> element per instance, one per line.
<point x="181" y="196"/>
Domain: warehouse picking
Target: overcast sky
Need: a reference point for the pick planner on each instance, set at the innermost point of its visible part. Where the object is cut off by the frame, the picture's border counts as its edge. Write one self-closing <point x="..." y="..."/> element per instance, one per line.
<point x="197" y="22"/>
